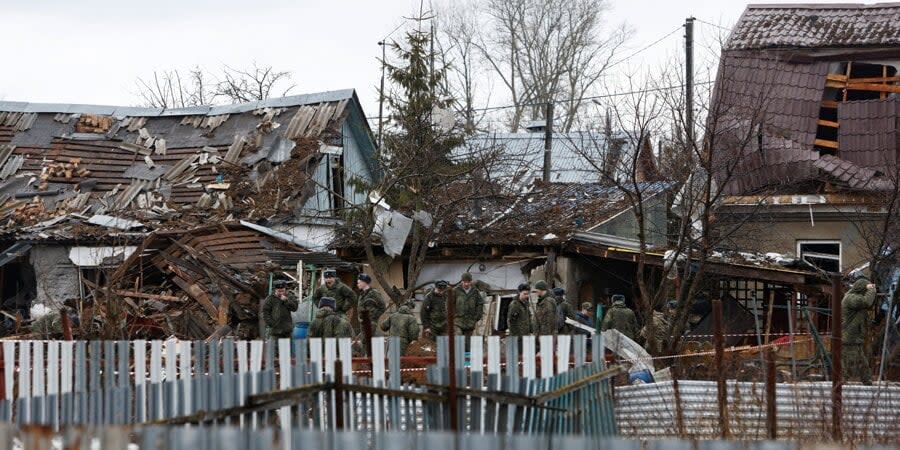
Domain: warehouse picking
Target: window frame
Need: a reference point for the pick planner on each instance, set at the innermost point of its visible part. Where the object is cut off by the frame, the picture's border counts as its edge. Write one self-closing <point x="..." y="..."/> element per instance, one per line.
<point x="840" y="255"/>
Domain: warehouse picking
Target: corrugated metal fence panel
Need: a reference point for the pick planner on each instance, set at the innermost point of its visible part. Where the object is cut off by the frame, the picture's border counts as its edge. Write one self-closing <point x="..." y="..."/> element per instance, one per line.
<point x="803" y="410"/>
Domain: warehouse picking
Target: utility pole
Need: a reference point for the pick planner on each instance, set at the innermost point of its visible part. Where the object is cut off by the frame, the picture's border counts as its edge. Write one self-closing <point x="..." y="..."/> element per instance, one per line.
<point x="381" y="94"/>
<point x="689" y="81"/>
<point x="548" y="140"/>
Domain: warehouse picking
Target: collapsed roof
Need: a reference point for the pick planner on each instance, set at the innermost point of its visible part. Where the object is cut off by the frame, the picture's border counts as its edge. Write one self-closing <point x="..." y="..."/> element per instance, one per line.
<point x="245" y="161"/>
<point x="808" y="94"/>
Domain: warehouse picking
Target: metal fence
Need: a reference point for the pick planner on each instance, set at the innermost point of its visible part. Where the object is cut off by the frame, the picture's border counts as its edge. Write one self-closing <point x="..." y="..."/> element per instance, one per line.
<point x="233" y="438"/>
<point x="313" y="384"/>
<point x="803" y="411"/>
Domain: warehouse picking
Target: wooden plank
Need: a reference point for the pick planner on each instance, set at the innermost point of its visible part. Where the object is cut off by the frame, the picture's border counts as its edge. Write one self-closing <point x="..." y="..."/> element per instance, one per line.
<point x="836" y="77"/>
<point x="199" y="295"/>
<point x="828" y="123"/>
<point x="826" y="143"/>
<point x="873" y="87"/>
<point x="160" y="297"/>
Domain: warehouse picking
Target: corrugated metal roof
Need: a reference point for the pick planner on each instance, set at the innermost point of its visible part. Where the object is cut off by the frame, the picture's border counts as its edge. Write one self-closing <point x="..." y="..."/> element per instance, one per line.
<point x="817" y="26"/>
<point x="122" y="111"/>
<point x="525" y="152"/>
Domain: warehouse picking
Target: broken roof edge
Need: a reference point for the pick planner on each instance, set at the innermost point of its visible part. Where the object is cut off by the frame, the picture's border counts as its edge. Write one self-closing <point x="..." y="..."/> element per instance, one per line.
<point x="822" y="5"/>
<point x="208" y="110"/>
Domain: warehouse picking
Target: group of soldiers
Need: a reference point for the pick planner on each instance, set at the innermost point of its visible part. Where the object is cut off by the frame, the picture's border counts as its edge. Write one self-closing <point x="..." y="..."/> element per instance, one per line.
<point x="550" y="313"/>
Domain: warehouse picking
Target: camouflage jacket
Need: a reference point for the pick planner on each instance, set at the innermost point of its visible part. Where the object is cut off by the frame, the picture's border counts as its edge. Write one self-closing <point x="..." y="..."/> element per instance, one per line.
<point x="622" y="318"/>
<point x="468" y="308"/>
<point x="434" y="313"/>
<point x="276" y="314"/>
<point x="371" y="301"/>
<point x="855" y="309"/>
<point x="545" y="318"/>
<point x="344" y="297"/>
<point x="329" y="324"/>
<point x="518" y="318"/>
<point x="403" y="324"/>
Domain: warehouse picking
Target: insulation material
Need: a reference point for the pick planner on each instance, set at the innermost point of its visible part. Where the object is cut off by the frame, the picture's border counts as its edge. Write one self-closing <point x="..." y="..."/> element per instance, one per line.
<point x="393" y="228"/>
<point x="95" y="256"/>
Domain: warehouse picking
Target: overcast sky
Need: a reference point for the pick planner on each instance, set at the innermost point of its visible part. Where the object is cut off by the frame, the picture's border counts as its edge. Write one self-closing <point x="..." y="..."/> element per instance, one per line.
<point x="92" y="51"/>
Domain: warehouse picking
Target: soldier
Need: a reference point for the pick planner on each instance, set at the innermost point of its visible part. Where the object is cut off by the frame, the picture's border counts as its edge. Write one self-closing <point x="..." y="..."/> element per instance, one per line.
<point x="343" y="296"/>
<point x="370" y="301"/>
<point x="403" y="324"/>
<point x="661" y="321"/>
<point x="564" y="310"/>
<point x="545" y="322"/>
<point x="855" y="322"/>
<point x="518" y="316"/>
<point x="276" y="311"/>
<point x="434" y="310"/>
<point x="328" y="323"/>
<point x="585" y="317"/>
<point x="468" y="309"/>
<point x="622" y="318"/>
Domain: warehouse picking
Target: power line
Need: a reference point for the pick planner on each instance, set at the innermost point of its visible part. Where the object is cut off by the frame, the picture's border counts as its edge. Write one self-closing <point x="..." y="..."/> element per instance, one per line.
<point x="712" y="24"/>
<point x="644" y="48"/>
<point x="593" y="97"/>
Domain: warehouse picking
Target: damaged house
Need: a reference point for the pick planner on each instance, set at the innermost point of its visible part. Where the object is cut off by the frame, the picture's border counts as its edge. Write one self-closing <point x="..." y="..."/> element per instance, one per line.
<point x="83" y="186"/>
<point x="814" y="89"/>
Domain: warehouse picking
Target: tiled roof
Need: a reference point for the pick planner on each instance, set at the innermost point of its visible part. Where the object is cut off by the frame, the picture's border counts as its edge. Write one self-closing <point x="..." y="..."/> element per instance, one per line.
<point x="548" y="214"/>
<point x="850" y="174"/>
<point x="868" y="133"/>
<point x="150" y="163"/>
<point x="817" y="26"/>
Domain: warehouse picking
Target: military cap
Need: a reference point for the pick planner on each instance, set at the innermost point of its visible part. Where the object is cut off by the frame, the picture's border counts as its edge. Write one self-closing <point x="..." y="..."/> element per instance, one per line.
<point x="542" y="285"/>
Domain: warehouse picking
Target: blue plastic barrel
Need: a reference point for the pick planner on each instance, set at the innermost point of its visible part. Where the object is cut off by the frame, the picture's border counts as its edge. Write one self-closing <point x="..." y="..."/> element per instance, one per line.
<point x="300" y="330"/>
<point x="642" y="375"/>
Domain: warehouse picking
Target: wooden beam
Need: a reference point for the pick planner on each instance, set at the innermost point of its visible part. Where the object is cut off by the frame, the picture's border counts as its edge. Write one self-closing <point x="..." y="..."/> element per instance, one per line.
<point x="160" y="297"/>
<point x="872" y="87"/>
<point x="828" y="123"/>
<point x="826" y="144"/>
<point x="829" y="104"/>
<point x="199" y="295"/>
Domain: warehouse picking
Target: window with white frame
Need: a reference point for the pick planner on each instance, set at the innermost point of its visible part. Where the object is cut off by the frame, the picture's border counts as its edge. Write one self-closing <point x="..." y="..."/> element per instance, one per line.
<point x="826" y="255"/>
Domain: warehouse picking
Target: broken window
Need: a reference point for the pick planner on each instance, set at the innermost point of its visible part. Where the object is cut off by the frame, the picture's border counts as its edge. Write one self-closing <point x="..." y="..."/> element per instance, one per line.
<point x="826" y="255"/>
<point x="847" y="82"/>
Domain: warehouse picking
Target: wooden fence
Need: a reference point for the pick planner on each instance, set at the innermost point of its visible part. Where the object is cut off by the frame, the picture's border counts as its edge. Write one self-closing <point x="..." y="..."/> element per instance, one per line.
<point x="311" y="384"/>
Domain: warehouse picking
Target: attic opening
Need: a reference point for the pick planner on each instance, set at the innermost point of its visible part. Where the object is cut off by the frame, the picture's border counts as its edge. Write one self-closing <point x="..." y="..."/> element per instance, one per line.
<point x="847" y="82"/>
<point x="18" y="285"/>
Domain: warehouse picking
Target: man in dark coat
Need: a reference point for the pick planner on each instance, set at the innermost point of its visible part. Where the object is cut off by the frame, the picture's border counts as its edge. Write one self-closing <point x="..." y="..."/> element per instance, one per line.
<point x="518" y="316"/>
<point x="855" y="308"/>
<point x="468" y="307"/>
<point x="343" y="296"/>
<point x="585" y="317"/>
<point x="404" y="325"/>
<point x="621" y="318"/>
<point x="370" y="300"/>
<point x="277" y="309"/>
<point x="434" y="310"/>
<point x="328" y="323"/>
<point x="545" y="319"/>
<point x="564" y="310"/>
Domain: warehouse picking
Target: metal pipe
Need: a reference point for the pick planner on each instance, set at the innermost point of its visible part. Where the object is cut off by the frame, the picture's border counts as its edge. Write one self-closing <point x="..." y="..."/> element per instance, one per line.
<point x="548" y="140"/>
<point x="720" y="368"/>
<point x="836" y="343"/>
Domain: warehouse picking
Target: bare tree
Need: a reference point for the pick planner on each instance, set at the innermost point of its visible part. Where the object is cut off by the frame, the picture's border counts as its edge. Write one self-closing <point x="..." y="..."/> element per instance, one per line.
<point x="197" y="86"/>
<point x="542" y="51"/>
<point x="456" y="47"/>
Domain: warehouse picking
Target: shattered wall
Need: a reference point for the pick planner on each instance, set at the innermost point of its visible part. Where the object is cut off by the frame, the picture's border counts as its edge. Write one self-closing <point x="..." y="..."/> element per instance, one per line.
<point x="57" y="277"/>
<point x="625" y="224"/>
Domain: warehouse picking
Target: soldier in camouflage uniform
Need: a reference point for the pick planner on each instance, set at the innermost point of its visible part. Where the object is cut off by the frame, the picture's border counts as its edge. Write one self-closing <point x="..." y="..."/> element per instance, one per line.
<point x="276" y="311"/>
<point x="622" y="318"/>
<point x="434" y="310"/>
<point x="468" y="307"/>
<point x="518" y="316"/>
<point x="661" y="321"/>
<point x="545" y="320"/>
<point x="343" y="296"/>
<point x="328" y="323"/>
<point x="564" y="310"/>
<point x="855" y="308"/>
<point x="403" y="324"/>
<point x="369" y="301"/>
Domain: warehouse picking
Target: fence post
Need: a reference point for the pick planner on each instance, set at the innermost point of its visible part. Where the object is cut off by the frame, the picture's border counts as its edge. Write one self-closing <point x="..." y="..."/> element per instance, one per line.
<point x="338" y="394"/>
<point x="679" y="411"/>
<point x="720" y="368"/>
<point x="771" y="411"/>
<point x="837" y="410"/>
